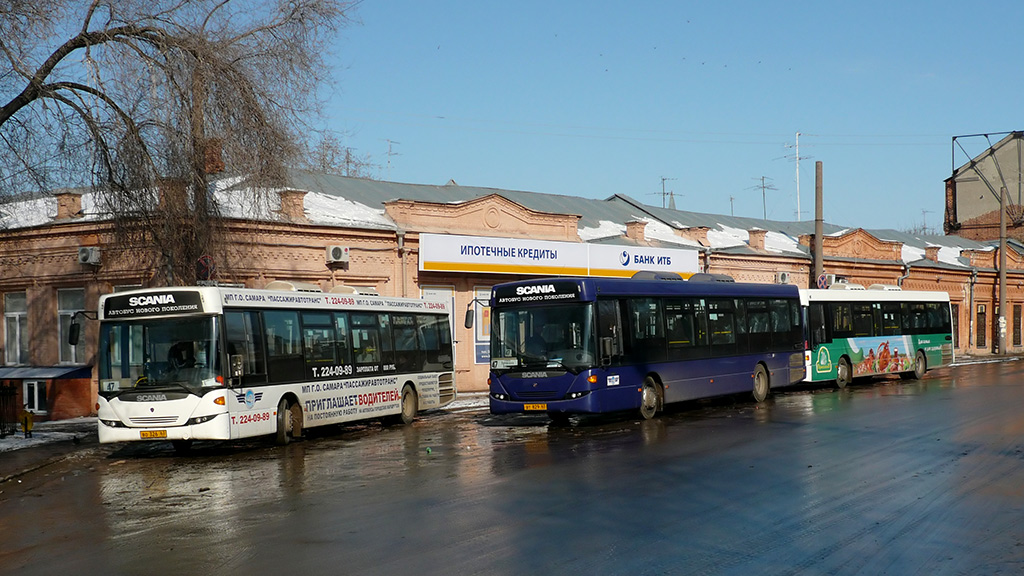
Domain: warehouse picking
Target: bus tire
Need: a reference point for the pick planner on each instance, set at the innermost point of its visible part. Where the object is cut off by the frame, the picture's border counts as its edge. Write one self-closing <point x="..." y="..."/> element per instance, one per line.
<point x="920" y="365"/>
<point x="844" y="373"/>
<point x="410" y="405"/>
<point x="650" y="399"/>
<point x="285" y="423"/>
<point x="762" y="384"/>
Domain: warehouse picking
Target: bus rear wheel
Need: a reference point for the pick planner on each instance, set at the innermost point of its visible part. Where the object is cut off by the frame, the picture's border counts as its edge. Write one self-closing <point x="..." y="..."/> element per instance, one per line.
<point x="761" y="384"/>
<point x="410" y="405"/>
<point x="649" y="399"/>
<point x="844" y="373"/>
<point x="920" y="365"/>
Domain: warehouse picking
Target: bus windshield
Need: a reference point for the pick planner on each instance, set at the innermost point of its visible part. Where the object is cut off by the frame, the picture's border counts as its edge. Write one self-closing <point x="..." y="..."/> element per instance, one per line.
<point x="179" y="353"/>
<point x="549" y="337"/>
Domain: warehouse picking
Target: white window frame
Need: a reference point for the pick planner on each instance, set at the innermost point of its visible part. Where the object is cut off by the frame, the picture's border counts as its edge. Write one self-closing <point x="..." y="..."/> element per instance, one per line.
<point x="65" y="316"/>
<point x="14" y="353"/>
<point x="30" y="394"/>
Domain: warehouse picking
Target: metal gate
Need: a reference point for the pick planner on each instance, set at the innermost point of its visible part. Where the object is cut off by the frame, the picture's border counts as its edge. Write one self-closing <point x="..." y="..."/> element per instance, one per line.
<point x="8" y="410"/>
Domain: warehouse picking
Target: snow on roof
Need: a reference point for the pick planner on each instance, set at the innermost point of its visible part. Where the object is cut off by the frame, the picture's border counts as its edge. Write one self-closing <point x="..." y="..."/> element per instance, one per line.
<point x="727" y="237"/>
<point x="657" y="230"/>
<point x="604" y="229"/>
<point x="779" y="242"/>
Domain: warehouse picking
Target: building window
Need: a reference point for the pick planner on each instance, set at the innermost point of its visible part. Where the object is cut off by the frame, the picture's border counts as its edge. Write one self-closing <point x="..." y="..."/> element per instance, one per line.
<point x="35" y="396"/>
<point x="70" y="301"/>
<point x="1016" y="325"/>
<point x="15" y="328"/>
<point x="981" y="327"/>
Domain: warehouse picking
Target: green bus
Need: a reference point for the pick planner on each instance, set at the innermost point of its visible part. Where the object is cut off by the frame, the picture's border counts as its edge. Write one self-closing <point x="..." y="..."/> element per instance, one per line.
<point x="852" y="332"/>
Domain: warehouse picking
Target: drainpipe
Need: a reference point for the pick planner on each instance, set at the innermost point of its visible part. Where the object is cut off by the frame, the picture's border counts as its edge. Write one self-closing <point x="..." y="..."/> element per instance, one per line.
<point x="970" y="311"/>
<point x="400" y="235"/>
<point x="706" y="251"/>
<point x="906" y="273"/>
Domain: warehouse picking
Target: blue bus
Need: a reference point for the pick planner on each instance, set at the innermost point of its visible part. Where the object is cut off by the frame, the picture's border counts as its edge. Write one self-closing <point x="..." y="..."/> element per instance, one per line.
<point x="566" y="346"/>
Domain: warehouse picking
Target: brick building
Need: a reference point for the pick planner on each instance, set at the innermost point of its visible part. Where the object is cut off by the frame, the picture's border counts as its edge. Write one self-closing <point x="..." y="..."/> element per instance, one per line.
<point x="57" y="257"/>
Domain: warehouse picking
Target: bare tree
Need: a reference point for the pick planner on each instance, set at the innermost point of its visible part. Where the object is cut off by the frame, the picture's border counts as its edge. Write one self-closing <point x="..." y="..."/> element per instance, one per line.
<point x="143" y="100"/>
<point x="328" y="155"/>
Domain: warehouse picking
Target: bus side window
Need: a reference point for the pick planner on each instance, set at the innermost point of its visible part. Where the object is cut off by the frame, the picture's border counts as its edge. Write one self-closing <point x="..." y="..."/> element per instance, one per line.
<point x="341" y="332"/>
<point x="387" y="350"/>
<point x="284" y="346"/>
<point x="891" y="321"/>
<point x="365" y="340"/>
<point x="816" y="320"/>
<point x="648" y="329"/>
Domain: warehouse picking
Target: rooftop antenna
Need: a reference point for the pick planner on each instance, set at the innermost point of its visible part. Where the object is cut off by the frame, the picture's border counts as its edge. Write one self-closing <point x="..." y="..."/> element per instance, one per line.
<point x="390" y="154"/>
<point x="765" y="185"/>
<point x="663" y="194"/>
<point x="798" y="158"/>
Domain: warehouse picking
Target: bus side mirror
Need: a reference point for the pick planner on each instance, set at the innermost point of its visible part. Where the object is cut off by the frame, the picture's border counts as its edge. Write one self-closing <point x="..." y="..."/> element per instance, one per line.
<point x="469" y="318"/>
<point x="236" y="363"/>
<point x="74" y="332"/>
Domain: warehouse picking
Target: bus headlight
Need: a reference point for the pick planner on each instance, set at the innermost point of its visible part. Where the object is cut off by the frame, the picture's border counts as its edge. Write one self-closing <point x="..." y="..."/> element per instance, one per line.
<point x="112" y="423"/>
<point x="200" y="419"/>
<point x="575" y="395"/>
<point x="502" y="397"/>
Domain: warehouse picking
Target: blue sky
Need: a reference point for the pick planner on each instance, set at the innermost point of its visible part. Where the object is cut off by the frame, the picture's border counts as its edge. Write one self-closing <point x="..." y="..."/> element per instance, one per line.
<point x="598" y="98"/>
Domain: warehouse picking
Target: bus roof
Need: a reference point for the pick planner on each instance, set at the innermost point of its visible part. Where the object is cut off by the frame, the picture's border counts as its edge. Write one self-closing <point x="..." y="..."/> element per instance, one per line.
<point x="871" y="295"/>
<point x="564" y="289"/>
<point x="191" y="300"/>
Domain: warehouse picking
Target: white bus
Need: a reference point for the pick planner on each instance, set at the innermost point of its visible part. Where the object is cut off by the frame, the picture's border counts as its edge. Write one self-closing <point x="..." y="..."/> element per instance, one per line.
<point x="853" y="332"/>
<point x="217" y="363"/>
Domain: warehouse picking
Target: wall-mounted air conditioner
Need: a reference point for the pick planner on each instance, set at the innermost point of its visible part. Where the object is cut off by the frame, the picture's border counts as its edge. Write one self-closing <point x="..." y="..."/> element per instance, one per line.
<point x="89" y="255"/>
<point x="337" y="254"/>
<point x="782" y="277"/>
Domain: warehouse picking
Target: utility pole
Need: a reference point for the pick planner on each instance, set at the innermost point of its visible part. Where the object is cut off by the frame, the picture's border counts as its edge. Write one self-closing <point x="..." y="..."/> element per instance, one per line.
<point x="1002" y="270"/>
<point x="819" y="225"/>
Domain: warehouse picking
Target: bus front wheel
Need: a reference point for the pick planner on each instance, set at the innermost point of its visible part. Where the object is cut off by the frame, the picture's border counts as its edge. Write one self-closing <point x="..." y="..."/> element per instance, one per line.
<point x="844" y="374"/>
<point x="649" y="400"/>
<point x="286" y="426"/>
<point x="761" y="384"/>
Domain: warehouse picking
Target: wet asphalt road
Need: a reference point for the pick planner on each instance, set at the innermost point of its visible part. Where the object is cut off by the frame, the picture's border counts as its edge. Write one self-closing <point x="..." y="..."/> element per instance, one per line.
<point x="885" y="477"/>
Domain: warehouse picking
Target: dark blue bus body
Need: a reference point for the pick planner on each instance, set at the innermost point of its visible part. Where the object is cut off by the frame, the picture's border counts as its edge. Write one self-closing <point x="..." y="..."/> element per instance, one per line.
<point x="595" y="345"/>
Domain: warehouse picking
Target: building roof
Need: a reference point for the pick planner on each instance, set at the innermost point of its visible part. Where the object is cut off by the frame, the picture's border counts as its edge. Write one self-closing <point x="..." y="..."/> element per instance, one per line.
<point x="333" y="200"/>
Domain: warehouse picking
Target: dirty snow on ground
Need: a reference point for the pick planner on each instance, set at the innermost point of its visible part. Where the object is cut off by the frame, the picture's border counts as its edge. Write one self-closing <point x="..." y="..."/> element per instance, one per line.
<point x="49" y="432"/>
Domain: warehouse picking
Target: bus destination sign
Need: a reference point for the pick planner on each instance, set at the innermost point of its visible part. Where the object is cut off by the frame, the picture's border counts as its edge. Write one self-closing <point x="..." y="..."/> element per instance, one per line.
<point x="153" y="304"/>
<point x="545" y="291"/>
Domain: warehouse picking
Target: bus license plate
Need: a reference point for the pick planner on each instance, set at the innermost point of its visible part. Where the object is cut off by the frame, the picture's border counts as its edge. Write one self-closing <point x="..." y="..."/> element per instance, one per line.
<point x="535" y="406"/>
<point x="152" y="434"/>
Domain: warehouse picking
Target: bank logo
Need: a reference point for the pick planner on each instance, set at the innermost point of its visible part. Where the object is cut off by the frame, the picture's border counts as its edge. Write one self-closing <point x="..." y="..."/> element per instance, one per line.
<point x="624" y="258"/>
